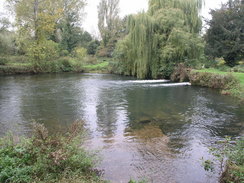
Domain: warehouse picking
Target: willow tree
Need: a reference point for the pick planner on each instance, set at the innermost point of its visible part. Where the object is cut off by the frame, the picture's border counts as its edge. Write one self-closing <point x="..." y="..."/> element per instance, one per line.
<point x="161" y="38"/>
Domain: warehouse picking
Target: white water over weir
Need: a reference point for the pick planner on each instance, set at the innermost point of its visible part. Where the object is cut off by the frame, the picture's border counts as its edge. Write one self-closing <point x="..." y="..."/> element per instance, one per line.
<point x="164" y="82"/>
<point x="176" y="84"/>
<point x="150" y="81"/>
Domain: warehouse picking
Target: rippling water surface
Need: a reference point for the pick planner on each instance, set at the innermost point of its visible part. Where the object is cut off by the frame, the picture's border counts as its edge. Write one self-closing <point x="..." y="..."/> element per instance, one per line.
<point x="143" y="130"/>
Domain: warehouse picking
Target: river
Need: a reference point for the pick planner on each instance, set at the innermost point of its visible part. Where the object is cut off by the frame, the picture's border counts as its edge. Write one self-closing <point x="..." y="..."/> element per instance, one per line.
<point x="144" y="131"/>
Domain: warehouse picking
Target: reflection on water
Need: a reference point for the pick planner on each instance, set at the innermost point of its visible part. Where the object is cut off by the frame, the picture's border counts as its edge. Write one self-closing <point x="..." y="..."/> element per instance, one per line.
<point x="153" y="131"/>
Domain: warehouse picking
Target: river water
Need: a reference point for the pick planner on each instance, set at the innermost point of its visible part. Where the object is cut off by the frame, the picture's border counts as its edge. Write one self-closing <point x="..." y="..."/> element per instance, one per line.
<point x="144" y="131"/>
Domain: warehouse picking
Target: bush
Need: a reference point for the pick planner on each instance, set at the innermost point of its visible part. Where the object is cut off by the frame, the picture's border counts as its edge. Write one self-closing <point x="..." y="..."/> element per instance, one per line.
<point x="211" y="80"/>
<point x="15" y="69"/>
<point x="103" y="52"/>
<point x="40" y="53"/>
<point x="180" y="74"/>
<point x="17" y="59"/>
<point x="64" y="53"/>
<point x="92" y="47"/>
<point x="80" y="53"/>
<point x="46" y="158"/>
<point x="3" y="61"/>
<point x="238" y="68"/>
<point x="166" y="70"/>
<point x="65" y="64"/>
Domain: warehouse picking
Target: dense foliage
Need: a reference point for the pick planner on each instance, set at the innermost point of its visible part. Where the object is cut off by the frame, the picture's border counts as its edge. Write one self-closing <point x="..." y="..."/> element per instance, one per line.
<point x="225" y="36"/>
<point x="158" y="40"/>
<point x="45" y="31"/>
<point x="46" y="158"/>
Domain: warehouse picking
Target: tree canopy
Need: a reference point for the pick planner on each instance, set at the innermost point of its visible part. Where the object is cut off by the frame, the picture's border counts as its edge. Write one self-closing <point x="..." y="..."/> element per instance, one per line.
<point x="108" y="19"/>
<point x="225" y="36"/>
<point x="161" y="38"/>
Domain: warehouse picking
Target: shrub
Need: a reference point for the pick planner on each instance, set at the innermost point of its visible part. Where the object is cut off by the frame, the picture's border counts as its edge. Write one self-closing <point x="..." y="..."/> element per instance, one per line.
<point x="80" y="53"/>
<point x="15" y="69"/>
<point x="68" y="64"/>
<point x="40" y="53"/>
<point x="3" y="61"/>
<point x="211" y="80"/>
<point x="64" y="53"/>
<point x="238" y="68"/>
<point x="92" y="47"/>
<point x="180" y="74"/>
<point x="103" y="52"/>
<point x="46" y="158"/>
<point x="65" y="64"/>
<point x="54" y="66"/>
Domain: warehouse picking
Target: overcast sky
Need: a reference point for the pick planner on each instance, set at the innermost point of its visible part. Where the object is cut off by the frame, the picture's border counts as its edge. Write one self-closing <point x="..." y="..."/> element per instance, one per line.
<point x="126" y="7"/>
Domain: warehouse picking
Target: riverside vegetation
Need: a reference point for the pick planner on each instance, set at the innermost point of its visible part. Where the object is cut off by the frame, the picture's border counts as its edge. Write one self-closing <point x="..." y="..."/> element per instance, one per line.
<point x="232" y="169"/>
<point x="47" y="158"/>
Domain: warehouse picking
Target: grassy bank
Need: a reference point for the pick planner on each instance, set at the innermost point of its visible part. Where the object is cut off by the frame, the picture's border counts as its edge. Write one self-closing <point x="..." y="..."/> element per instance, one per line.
<point x="20" y="65"/>
<point x="102" y="65"/>
<point x="234" y="170"/>
<point x="229" y="156"/>
<point x="230" y="83"/>
<point x="47" y="158"/>
<point x="238" y="75"/>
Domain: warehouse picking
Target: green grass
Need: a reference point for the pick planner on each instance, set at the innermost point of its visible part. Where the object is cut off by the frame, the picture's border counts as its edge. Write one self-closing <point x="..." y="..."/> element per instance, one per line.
<point x="97" y="66"/>
<point x="19" y="64"/>
<point x="238" y="75"/>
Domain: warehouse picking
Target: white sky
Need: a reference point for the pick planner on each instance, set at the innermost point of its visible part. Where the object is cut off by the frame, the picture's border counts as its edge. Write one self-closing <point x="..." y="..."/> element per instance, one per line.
<point x="126" y="7"/>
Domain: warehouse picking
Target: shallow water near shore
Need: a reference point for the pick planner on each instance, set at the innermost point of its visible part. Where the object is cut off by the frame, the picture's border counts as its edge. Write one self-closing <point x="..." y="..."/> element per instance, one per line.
<point x="151" y="131"/>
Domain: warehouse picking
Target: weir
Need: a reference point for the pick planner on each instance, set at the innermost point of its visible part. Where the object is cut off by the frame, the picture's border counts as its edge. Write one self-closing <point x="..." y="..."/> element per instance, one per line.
<point x="159" y="83"/>
<point x="149" y="81"/>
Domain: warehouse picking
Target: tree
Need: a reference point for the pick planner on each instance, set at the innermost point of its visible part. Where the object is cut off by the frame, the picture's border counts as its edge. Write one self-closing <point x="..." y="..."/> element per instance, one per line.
<point x="92" y="47"/>
<point x="40" y="18"/>
<point x="71" y="33"/>
<point x="108" y="19"/>
<point x="158" y="40"/>
<point x="7" y="38"/>
<point x="39" y="22"/>
<point x="4" y="24"/>
<point x="225" y="36"/>
<point x="37" y="18"/>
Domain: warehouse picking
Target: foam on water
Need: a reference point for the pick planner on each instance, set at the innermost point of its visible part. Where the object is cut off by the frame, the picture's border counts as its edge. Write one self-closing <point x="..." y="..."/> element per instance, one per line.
<point x="149" y="81"/>
<point x="173" y="84"/>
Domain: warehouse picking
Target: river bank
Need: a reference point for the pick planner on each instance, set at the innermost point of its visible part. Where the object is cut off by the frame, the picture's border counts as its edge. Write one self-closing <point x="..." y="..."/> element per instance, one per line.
<point x="229" y="83"/>
<point x="19" y="65"/>
<point x="47" y="158"/>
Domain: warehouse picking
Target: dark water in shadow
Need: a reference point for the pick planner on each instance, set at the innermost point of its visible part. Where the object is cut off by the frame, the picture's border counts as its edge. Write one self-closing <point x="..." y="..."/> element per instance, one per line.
<point x="143" y="130"/>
